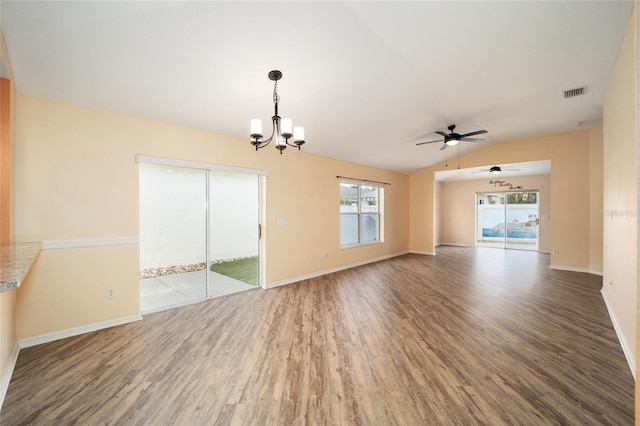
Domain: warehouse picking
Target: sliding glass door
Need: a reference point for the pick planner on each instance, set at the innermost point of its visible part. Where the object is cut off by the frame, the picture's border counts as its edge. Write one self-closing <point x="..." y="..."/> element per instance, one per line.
<point x="507" y="220"/>
<point x="198" y="234"/>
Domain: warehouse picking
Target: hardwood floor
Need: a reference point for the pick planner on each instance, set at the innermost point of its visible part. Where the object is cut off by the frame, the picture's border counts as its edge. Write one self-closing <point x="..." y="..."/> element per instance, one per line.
<point x="470" y="336"/>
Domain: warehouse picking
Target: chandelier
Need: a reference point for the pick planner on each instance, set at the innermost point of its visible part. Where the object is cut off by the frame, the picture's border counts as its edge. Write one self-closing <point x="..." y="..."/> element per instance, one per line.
<point x="283" y="130"/>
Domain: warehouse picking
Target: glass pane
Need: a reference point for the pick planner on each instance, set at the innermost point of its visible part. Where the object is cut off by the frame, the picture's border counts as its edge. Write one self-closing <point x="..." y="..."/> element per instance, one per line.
<point x="369" y="197"/>
<point x="522" y="226"/>
<point x="348" y="229"/>
<point x="348" y="198"/>
<point x="172" y="236"/>
<point x="522" y="198"/>
<point x="490" y="220"/>
<point x="370" y="228"/>
<point x="233" y="232"/>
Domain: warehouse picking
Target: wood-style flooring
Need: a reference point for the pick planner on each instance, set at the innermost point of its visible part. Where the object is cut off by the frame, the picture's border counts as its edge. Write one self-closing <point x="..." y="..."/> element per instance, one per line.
<point x="470" y="336"/>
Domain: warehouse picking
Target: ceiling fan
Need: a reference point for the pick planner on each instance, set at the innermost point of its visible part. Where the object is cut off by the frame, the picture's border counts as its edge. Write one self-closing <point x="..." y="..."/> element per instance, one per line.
<point x="452" y="138"/>
<point x="495" y="170"/>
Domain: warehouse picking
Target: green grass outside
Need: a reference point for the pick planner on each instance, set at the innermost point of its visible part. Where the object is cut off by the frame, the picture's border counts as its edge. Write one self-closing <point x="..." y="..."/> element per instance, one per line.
<point x="245" y="270"/>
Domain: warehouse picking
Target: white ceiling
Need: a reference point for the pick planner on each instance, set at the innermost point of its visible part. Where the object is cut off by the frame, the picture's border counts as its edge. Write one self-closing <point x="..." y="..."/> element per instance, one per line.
<point x="367" y="80"/>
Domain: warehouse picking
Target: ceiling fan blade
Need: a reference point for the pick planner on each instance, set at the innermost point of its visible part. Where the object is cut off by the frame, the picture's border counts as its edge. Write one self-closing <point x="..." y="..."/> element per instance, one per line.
<point x="471" y="139"/>
<point x="478" y="132"/>
<point x="422" y="143"/>
<point x="442" y="134"/>
<point x="444" y="146"/>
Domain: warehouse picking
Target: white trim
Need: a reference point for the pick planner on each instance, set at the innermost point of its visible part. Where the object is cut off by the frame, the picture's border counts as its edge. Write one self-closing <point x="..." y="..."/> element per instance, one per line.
<point x="8" y="372"/>
<point x="626" y="348"/>
<point x="428" y="253"/>
<point x="574" y="269"/>
<point x="329" y="271"/>
<point x="70" y="332"/>
<point x="163" y="161"/>
<point x="88" y="242"/>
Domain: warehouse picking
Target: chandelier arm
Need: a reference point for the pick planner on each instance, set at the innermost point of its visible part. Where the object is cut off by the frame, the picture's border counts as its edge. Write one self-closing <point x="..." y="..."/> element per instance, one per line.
<point x="274" y="131"/>
<point x="293" y="145"/>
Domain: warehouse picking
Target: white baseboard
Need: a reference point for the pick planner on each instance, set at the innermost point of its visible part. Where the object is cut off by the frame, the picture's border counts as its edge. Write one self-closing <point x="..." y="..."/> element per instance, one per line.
<point x="329" y="271"/>
<point x="8" y="372"/>
<point x="626" y="348"/>
<point x="455" y="245"/>
<point x="573" y="269"/>
<point x="70" y="332"/>
<point x="428" y="253"/>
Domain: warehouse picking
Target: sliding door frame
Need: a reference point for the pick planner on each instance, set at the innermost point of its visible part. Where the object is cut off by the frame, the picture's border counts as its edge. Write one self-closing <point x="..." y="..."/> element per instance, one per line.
<point x="505" y="208"/>
<point x="164" y="161"/>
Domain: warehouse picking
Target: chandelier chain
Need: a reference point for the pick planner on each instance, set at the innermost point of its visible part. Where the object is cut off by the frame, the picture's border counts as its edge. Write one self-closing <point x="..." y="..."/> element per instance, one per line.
<point x="276" y="98"/>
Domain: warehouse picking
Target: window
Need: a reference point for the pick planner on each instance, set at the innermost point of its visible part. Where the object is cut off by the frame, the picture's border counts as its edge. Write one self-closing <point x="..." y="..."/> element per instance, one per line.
<point x="360" y="213"/>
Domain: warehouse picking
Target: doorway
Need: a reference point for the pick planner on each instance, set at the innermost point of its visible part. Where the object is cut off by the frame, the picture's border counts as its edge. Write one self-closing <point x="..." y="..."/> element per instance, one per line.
<point x="198" y="233"/>
<point x="508" y="220"/>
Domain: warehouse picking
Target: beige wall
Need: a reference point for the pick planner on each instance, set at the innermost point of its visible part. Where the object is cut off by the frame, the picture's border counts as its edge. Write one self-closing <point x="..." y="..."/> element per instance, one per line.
<point x="423" y="208"/>
<point x="596" y="231"/>
<point x="457" y="209"/>
<point x="77" y="179"/>
<point x="620" y="186"/>
<point x="569" y="193"/>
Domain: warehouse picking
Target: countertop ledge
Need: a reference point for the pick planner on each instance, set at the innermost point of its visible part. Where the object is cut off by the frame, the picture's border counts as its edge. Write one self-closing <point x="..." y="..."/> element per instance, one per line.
<point x="15" y="261"/>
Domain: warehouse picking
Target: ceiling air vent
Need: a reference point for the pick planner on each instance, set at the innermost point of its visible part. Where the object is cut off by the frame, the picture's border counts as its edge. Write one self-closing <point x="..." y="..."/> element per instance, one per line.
<point x="574" y="92"/>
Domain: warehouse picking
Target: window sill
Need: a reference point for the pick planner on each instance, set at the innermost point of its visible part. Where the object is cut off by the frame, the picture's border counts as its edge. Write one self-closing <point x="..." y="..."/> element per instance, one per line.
<point x="361" y="245"/>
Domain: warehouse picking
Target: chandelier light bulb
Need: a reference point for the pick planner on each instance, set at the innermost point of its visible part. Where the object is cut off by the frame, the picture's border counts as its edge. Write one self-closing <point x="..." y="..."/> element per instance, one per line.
<point x="256" y="129"/>
<point x="286" y="127"/>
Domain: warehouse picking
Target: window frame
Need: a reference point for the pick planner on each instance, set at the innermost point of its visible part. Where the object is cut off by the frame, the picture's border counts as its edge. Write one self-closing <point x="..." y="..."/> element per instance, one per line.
<point x="359" y="184"/>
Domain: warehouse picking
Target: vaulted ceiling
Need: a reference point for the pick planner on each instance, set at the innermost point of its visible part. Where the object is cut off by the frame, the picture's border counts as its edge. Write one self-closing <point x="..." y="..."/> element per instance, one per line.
<point x="367" y="80"/>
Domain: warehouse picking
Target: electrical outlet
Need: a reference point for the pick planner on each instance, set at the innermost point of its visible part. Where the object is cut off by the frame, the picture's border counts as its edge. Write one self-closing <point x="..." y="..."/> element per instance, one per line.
<point x="611" y="283"/>
<point x="556" y="252"/>
<point x="111" y="293"/>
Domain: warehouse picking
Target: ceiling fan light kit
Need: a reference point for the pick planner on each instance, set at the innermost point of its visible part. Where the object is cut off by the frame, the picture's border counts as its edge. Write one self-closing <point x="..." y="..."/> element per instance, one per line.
<point x="282" y="130"/>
